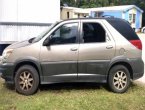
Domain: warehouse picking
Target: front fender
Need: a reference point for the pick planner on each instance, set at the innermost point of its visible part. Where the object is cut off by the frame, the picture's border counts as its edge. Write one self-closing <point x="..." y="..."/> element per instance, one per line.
<point x="28" y="60"/>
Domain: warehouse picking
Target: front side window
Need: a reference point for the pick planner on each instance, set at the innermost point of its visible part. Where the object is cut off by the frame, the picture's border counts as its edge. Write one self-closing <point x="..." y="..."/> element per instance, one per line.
<point x="66" y="34"/>
<point x="93" y="32"/>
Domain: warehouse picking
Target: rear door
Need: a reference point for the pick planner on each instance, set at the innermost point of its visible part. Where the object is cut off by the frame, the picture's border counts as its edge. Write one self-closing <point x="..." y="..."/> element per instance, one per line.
<point x="96" y="50"/>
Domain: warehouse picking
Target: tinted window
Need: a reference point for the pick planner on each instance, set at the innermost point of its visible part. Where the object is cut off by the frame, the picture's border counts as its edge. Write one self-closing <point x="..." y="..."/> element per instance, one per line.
<point x="65" y="34"/>
<point x="123" y="28"/>
<point x="93" y="32"/>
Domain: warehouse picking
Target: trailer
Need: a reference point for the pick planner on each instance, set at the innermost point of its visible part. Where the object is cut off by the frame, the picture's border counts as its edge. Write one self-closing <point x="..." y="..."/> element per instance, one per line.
<point x="23" y="19"/>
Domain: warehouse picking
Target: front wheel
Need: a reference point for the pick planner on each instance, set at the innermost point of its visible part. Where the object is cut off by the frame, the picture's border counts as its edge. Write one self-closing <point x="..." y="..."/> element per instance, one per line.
<point x="26" y="80"/>
<point x="119" y="79"/>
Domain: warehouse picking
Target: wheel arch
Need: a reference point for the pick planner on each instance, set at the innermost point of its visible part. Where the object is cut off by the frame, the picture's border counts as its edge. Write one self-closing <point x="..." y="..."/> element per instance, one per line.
<point x="124" y="63"/>
<point x="33" y="63"/>
<point x="143" y="29"/>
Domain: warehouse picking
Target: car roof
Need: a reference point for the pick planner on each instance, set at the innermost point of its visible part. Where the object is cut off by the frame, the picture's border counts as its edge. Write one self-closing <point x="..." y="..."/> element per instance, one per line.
<point x="99" y="18"/>
<point x="105" y="18"/>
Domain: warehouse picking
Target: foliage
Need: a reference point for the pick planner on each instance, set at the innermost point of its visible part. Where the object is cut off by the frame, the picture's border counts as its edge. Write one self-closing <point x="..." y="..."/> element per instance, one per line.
<point x="101" y="3"/>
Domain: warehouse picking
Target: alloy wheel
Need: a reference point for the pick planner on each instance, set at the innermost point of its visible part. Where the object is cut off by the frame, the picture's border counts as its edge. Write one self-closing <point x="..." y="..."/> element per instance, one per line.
<point x="120" y="80"/>
<point x="26" y="81"/>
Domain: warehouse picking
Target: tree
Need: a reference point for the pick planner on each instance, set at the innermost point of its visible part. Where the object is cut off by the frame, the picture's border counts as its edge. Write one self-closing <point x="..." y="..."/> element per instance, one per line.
<point x="68" y="2"/>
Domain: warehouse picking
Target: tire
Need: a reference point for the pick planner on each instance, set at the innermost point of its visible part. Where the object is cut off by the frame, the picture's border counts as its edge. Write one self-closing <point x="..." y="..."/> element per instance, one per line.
<point x="26" y="80"/>
<point x="119" y="79"/>
<point x="143" y="30"/>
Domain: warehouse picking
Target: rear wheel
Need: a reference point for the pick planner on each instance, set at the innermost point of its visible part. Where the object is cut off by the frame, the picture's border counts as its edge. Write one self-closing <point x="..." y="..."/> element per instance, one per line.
<point x="143" y="30"/>
<point x="26" y="80"/>
<point x="119" y="79"/>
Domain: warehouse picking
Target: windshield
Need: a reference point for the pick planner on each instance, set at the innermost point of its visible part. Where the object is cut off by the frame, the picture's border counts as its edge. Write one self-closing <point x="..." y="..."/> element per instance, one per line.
<point x="40" y="36"/>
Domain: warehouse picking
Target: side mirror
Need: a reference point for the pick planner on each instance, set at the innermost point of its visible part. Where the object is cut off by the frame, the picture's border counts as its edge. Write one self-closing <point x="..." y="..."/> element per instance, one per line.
<point x="47" y="41"/>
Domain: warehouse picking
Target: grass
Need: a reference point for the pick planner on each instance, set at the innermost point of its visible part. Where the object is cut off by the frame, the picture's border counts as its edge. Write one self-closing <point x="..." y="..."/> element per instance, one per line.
<point x="73" y="97"/>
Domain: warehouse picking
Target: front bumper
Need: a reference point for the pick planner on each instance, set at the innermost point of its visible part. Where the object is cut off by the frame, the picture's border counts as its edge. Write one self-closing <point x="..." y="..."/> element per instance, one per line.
<point x="7" y="72"/>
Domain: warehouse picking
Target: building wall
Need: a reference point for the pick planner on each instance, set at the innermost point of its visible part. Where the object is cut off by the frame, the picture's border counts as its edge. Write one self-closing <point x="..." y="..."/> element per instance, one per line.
<point x="12" y="33"/>
<point x="137" y="23"/>
<point x="26" y="11"/>
<point x="40" y="11"/>
<point x="79" y="15"/>
<point x="138" y="20"/>
<point x="64" y="14"/>
<point x="127" y="15"/>
<point x="72" y="14"/>
<point x="116" y="14"/>
<point x="75" y="15"/>
<point x="122" y="14"/>
<point x="8" y="10"/>
<point x="141" y="20"/>
<point x="133" y="11"/>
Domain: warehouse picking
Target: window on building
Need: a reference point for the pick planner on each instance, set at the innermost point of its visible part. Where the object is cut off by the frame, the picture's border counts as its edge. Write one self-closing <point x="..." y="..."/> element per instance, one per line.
<point x="134" y="16"/>
<point x="93" y="32"/>
<point x="67" y="15"/>
<point x="78" y="15"/>
<point x="66" y="34"/>
<point x="130" y="17"/>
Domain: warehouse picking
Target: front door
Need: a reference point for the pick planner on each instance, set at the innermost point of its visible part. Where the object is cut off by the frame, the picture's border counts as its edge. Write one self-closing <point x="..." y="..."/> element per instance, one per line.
<point x="59" y="60"/>
<point x="95" y="51"/>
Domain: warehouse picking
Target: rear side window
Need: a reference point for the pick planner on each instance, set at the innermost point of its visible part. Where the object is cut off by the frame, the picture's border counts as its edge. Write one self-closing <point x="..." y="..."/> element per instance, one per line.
<point x="93" y="32"/>
<point x="123" y="28"/>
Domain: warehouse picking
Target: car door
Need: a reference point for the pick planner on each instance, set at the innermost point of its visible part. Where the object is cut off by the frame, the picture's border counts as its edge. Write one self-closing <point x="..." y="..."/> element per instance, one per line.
<point x="59" y="59"/>
<point x="96" y="50"/>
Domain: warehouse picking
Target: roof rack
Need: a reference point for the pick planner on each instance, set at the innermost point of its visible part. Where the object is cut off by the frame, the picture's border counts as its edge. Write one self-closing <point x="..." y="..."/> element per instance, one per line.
<point x="108" y="16"/>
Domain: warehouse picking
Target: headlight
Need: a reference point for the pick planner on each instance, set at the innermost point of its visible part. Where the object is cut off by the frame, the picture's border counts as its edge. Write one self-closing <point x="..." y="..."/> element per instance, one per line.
<point x="6" y="54"/>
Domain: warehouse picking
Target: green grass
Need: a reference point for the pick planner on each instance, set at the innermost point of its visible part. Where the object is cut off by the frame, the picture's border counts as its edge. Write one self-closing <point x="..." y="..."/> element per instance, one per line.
<point x="73" y="97"/>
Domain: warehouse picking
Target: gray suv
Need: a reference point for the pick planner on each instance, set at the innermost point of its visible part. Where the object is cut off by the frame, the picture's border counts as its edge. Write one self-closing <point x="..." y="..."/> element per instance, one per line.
<point x="103" y="50"/>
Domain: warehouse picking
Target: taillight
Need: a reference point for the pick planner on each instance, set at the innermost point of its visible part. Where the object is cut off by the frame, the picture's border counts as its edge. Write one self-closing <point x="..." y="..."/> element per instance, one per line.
<point x="137" y="43"/>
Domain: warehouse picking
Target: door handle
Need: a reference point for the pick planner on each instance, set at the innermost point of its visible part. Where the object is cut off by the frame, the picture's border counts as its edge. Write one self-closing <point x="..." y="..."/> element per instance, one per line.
<point x="109" y="47"/>
<point x="73" y="49"/>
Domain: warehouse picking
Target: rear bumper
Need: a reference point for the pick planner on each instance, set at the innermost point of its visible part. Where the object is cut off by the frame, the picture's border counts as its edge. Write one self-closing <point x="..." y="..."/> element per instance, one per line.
<point x="7" y="71"/>
<point x="137" y="67"/>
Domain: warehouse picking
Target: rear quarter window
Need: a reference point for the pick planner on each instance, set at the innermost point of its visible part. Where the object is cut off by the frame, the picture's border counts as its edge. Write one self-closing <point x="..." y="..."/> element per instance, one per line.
<point x="124" y="28"/>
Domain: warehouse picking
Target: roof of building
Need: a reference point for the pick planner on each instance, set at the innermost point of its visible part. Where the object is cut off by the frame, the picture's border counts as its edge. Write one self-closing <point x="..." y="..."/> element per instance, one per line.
<point x="115" y="8"/>
<point x="110" y="8"/>
<point x="71" y="8"/>
<point x="77" y="10"/>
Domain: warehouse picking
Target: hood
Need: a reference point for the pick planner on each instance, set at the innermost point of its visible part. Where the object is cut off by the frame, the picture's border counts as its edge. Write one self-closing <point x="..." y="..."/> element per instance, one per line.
<point x="19" y="44"/>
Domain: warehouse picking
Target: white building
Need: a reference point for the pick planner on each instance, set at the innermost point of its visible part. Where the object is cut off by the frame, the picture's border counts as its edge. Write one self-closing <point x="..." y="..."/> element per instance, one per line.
<point x="73" y="12"/>
<point x="39" y="11"/>
<point x="23" y="19"/>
